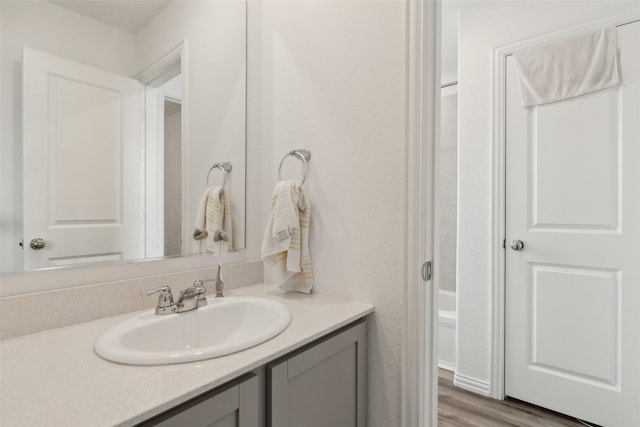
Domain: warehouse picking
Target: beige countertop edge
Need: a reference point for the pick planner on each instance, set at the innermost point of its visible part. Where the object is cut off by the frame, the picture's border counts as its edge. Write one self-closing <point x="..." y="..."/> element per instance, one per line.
<point x="82" y="389"/>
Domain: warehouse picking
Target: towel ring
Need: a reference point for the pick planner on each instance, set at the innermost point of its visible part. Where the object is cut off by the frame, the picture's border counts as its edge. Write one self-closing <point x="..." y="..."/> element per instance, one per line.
<point x="302" y="154"/>
<point x="225" y="167"/>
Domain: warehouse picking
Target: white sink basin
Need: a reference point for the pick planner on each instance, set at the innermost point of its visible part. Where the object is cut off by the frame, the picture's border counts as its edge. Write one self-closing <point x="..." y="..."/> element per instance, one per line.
<point x="224" y="326"/>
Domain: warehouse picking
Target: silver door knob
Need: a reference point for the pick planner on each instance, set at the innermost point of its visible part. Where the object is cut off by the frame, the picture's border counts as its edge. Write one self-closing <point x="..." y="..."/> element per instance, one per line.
<point x="517" y="245"/>
<point x="37" y="243"/>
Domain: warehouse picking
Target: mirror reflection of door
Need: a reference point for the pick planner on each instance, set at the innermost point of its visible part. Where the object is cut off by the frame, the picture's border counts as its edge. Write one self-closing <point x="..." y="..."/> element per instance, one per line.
<point x="82" y="148"/>
<point x="164" y="164"/>
<point x="84" y="143"/>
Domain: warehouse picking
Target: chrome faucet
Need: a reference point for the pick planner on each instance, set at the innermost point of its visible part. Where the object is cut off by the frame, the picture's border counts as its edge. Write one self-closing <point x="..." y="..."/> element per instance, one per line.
<point x="189" y="299"/>
<point x="165" y="300"/>
<point x="192" y="297"/>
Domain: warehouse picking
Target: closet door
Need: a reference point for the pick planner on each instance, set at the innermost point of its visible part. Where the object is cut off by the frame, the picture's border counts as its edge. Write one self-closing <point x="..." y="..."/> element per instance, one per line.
<point x="573" y="287"/>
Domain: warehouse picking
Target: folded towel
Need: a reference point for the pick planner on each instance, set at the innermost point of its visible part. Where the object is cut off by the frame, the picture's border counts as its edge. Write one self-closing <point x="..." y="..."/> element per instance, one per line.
<point x="219" y="224"/>
<point x="200" y="230"/>
<point x="286" y="240"/>
<point x="567" y="68"/>
<point x="213" y="220"/>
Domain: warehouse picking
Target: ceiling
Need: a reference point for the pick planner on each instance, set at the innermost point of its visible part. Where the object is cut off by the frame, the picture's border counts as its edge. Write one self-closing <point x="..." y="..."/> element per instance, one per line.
<point x="128" y="15"/>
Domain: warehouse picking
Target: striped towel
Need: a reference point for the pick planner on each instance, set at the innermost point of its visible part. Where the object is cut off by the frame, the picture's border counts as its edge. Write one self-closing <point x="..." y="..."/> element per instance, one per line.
<point x="286" y="240"/>
<point x="214" y="217"/>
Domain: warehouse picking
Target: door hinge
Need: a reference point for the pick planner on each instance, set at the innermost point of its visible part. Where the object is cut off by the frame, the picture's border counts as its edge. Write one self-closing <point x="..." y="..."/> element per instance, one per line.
<point x="504" y="243"/>
<point x="426" y="271"/>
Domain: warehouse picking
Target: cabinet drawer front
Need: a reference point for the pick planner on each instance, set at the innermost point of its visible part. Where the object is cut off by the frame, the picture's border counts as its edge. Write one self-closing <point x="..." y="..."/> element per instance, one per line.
<point x="321" y="386"/>
<point x="232" y="406"/>
<point x="321" y="352"/>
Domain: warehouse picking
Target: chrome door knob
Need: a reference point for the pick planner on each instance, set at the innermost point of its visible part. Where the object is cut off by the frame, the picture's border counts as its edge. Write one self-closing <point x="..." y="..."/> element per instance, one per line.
<point x="517" y="245"/>
<point x="37" y="243"/>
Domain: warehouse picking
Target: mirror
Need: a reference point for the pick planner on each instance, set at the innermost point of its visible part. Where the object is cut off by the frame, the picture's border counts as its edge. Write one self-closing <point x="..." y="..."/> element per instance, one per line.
<point x="113" y="115"/>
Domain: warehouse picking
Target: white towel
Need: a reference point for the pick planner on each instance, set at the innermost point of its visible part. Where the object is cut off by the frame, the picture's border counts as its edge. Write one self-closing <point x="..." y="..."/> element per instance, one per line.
<point x="567" y="68"/>
<point x="286" y="240"/>
<point x="200" y="230"/>
<point x="214" y="218"/>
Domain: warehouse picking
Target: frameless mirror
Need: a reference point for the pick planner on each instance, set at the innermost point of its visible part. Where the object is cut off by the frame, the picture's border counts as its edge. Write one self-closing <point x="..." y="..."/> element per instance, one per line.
<point x="113" y="115"/>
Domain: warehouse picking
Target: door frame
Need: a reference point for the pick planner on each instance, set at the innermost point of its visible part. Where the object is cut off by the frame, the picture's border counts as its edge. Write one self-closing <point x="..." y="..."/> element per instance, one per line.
<point x="419" y="375"/>
<point x="498" y="190"/>
<point x="156" y="74"/>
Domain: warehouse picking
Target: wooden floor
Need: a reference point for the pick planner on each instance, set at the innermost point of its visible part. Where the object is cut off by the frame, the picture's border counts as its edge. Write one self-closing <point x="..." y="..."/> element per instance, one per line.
<point x="460" y="408"/>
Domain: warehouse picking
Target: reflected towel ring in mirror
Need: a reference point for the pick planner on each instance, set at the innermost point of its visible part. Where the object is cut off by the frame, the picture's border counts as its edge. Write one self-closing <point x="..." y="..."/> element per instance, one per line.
<point x="302" y="154"/>
<point x="225" y="167"/>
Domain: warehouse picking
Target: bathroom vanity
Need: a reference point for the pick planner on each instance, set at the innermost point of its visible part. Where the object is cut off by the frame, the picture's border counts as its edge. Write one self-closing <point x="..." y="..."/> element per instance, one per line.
<point x="321" y="384"/>
<point x="313" y="370"/>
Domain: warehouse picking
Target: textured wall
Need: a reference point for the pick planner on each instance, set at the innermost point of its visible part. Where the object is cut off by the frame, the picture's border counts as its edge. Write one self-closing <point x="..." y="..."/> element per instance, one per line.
<point x="484" y="26"/>
<point x="330" y="76"/>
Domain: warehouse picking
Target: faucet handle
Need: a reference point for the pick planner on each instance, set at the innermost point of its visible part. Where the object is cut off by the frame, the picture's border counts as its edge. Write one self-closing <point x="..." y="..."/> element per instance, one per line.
<point x="165" y="300"/>
<point x="200" y="282"/>
<point x="200" y="289"/>
<point x="164" y="289"/>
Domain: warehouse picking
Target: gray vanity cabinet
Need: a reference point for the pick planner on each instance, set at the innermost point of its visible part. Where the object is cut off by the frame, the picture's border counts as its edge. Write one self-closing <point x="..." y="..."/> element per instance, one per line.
<point x="233" y="405"/>
<point x="321" y="385"/>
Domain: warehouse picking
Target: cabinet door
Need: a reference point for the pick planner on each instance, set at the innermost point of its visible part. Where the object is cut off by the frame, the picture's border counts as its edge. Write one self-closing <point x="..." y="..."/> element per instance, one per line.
<point x="320" y="386"/>
<point x="233" y="405"/>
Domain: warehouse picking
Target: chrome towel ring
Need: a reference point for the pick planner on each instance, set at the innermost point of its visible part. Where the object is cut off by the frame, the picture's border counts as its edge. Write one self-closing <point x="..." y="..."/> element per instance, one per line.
<point x="302" y="154"/>
<point x="225" y="167"/>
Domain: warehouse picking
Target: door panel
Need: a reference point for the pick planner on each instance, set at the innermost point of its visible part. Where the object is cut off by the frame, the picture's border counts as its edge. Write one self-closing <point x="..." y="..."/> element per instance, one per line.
<point x="575" y="163"/>
<point x="592" y="328"/>
<point x="573" y="291"/>
<point x="83" y="187"/>
<point x="82" y="111"/>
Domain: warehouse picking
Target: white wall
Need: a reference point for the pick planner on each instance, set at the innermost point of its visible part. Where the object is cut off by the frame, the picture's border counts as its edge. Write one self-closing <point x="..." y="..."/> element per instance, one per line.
<point x="43" y="26"/>
<point x="449" y="41"/>
<point x="215" y="95"/>
<point x="484" y="26"/>
<point x="330" y="76"/>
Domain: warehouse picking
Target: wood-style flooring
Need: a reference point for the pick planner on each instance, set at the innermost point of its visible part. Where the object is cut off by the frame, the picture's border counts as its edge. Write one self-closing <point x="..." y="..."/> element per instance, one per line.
<point x="460" y="408"/>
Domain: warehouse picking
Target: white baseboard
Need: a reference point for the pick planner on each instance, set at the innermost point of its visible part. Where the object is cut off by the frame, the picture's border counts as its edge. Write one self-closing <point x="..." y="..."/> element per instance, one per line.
<point x="471" y="384"/>
<point x="443" y="364"/>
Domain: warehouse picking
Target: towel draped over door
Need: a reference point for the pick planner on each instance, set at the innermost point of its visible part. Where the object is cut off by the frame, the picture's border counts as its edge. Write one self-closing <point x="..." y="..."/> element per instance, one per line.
<point x="567" y="68"/>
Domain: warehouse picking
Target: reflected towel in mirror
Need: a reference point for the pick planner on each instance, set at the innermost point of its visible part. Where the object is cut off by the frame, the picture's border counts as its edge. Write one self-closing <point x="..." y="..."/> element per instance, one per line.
<point x="214" y="217"/>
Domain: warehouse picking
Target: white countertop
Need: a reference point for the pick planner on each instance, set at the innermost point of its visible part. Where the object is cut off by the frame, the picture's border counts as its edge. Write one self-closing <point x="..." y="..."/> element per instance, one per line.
<point x="54" y="378"/>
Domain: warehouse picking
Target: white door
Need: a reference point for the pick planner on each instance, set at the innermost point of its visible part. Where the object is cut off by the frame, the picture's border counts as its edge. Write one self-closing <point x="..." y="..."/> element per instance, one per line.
<point x="83" y="186"/>
<point x="573" y="291"/>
